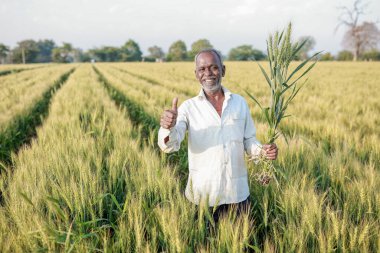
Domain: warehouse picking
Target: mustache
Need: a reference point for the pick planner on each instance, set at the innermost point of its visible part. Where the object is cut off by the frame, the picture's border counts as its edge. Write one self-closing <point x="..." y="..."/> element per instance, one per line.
<point x="212" y="88"/>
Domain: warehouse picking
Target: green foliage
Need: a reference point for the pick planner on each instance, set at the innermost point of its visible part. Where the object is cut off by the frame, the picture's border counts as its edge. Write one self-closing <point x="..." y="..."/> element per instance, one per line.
<point x="106" y="54"/>
<point x="130" y="51"/>
<point x="63" y="54"/>
<point x="345" y="55"/>
<point x="4" y="50"/>
<point x="26" y="50"/>
<point x="177" y="51"/>
<point x="372" y="55"/>
<point x="45" y="49"/>
<point x="326" y="57"/>
<point x="156" y="53"/>
<point x="198" y="46"/>
<point x="245" y="53"/>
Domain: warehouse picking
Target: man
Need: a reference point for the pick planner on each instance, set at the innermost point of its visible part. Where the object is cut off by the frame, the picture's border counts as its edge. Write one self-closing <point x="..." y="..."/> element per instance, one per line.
<point x="220" y="129"/>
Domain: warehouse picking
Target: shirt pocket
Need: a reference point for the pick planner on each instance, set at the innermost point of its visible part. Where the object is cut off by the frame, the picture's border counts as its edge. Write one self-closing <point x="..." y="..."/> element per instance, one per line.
<point x="236" y="124"/>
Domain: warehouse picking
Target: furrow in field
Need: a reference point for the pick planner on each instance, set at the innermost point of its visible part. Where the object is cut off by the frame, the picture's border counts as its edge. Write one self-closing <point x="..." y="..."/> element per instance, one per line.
<point x="21" y="128"/>
<point x="13" y="69"/>
<point x="18" y="92"/>
<point x="153" y="98"/>
<point x="155" y="82"/>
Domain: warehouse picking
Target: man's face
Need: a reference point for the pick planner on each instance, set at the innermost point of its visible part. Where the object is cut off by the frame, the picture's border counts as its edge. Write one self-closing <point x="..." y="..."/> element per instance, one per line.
<point x="209" y="71"/>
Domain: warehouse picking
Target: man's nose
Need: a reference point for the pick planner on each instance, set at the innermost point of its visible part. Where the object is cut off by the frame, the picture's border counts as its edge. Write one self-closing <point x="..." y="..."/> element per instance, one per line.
<point x="208" y="71"/>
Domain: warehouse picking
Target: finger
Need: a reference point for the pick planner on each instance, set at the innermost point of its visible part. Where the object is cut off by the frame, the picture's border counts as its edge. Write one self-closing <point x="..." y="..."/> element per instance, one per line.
<point x="273" y="146"/>
<point x="168" y="116"/>
<point x="174" y="104"/>
<point x="169" y="119"/>
<point x="271" y="151"/>
<point x="166" y="122"/>
<point x="170" y="112"/>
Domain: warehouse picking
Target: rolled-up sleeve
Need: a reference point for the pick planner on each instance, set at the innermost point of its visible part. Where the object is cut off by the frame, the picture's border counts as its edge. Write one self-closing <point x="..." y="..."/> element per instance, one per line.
<point x="176" y="134"/>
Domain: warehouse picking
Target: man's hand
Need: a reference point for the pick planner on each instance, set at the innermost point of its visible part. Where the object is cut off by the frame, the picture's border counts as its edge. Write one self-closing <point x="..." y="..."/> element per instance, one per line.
<point x="270" y="151"/>
<point x="169" y="117"/>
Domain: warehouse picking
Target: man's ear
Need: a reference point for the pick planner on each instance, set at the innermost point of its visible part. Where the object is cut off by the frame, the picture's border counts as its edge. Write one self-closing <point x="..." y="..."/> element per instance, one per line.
<point x="223" y="70"/>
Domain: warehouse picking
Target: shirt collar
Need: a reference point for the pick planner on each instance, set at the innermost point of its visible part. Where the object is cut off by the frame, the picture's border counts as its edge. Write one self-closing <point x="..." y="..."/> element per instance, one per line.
<point x="227" y="93"/>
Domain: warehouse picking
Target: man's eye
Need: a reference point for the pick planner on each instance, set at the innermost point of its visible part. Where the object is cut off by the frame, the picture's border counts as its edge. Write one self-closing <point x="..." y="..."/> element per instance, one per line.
<point x="215" y="68"/>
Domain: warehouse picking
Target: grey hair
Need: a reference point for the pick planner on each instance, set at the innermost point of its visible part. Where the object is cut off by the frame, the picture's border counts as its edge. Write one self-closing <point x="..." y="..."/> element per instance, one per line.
<point x="209" y="50"/>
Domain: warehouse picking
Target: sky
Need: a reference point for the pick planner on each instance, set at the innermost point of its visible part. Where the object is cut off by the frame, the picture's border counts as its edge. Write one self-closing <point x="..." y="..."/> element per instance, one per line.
<point x="225" y="23"/>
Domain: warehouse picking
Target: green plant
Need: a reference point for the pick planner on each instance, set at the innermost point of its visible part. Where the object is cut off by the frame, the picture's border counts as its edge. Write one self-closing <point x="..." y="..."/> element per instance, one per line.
<point x="283" y="87"/>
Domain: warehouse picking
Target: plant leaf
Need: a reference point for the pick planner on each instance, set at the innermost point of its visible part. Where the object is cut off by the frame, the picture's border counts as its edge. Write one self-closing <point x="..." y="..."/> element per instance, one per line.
<point x="301" y="66"/>
<point x="254" y="99"/>
<point x="266" y="76"/>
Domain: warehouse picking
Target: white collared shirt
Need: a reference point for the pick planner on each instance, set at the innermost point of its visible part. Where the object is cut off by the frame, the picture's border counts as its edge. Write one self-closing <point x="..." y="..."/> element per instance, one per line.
<point x="216" y="145"/>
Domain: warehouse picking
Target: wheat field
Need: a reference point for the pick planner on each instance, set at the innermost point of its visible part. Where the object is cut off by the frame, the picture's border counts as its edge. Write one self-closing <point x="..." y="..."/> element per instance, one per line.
<point x="80" y="170"/>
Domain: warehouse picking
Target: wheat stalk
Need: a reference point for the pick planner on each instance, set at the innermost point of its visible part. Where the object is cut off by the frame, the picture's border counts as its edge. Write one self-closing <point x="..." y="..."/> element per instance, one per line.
<point x="283" y="87"/>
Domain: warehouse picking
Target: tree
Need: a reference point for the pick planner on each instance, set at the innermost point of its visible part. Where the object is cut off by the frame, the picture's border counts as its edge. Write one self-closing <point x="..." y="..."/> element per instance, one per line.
<point x="130" y="51"/>
<point x="363" y="38"/>
<point x="26" y="52"/>
<point x="156" y="53"/>
<point x="327" y="57"/>
<point x="198" y="46"/>
<point x="177" y="51"/>
<point x="345" y="55"/>
<point x="107" y="54"/>
<point x="303" y="54"/>
<point x="63" y="54"/>
<point x="245" y="53"/>
<point x="45" y="49"/>
<point x="358" y="37"/>
<point x="4" y="50"/>
<point x="372" y="55"/>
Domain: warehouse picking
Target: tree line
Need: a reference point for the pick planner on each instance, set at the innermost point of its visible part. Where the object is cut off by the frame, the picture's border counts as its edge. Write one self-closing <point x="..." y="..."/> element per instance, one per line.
<point x="43" y="51"/>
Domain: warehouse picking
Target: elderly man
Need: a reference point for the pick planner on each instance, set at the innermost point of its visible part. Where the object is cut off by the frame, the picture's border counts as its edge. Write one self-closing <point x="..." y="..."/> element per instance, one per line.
<point x="220" y="129"/>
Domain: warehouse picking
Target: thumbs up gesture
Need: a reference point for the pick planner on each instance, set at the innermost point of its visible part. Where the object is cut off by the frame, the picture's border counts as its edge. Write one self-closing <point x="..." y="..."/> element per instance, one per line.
<point x="169" y="117"/>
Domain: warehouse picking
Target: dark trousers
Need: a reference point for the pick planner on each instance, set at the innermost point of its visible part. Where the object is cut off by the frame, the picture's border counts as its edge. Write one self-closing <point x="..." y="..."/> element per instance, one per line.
<point x="223" y="210"/>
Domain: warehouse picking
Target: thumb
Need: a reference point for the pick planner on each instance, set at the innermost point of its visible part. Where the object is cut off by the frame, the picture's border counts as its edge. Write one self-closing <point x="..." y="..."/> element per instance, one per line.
<point x="174" y="104"/>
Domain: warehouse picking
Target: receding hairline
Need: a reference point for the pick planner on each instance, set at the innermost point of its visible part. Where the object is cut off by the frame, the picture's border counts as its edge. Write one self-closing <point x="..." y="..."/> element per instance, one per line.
<point x="209" y="50"/>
